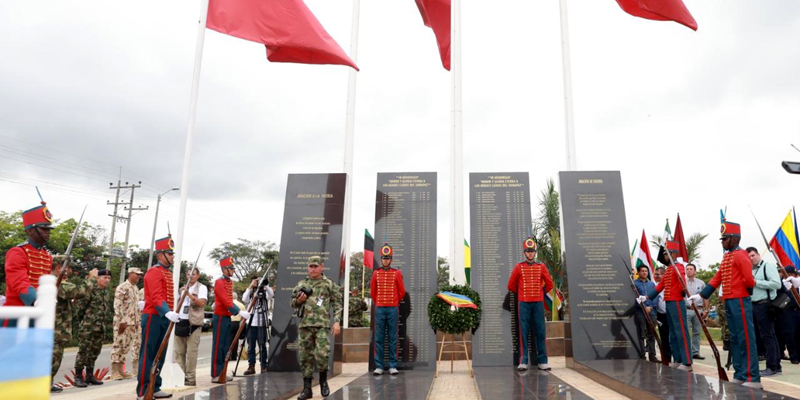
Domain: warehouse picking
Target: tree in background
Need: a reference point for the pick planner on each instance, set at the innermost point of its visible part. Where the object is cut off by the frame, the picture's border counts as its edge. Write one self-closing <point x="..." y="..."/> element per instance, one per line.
<point x="442" y="272"/>
<point x="692" y="244"/>
<point x="251" y="257"/>
<point x="547" y="233"/>
<point x="357" y="270"/>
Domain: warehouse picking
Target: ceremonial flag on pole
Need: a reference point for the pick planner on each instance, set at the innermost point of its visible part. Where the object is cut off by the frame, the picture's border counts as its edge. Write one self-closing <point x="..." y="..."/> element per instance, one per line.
<point x="436" y="15"/>
<point x="369" y="249"/>
<point x="553" y="301"/>
<point x="642" y="256"/>
<point x="667" y="233"/>
<point x="684" y="253"/>
<point x="660" y="10"/>
<point x="467" y="261"/>
<point x="785" y="242"/>
<point x="287" y="28"/>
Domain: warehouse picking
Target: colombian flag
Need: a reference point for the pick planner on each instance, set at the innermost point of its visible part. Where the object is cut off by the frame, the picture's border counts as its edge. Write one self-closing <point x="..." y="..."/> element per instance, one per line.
<point x="25" y="359"/>
<point x="785" y="242"/>
<point x="457" y="300"/>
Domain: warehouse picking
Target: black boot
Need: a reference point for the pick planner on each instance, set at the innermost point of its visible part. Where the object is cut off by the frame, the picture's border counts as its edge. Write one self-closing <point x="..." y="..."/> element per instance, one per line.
<point x="306" y="394"/>
<point x="79" y="382"/>
<point x="90" y="379"/>
<point x="251" y="370"/>
<point x="323" y="384"/>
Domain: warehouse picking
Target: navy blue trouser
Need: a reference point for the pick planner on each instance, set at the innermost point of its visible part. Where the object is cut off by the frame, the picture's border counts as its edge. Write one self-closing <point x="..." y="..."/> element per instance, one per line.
<point x="220" y="343"/>
<point x="766" y="331"/>
<point x="154" y="328"/>
<point x="743" y="342"/>
<point x="386" y="320"/>
<point x="679" y="332"/>
<point x="531" y="317"/>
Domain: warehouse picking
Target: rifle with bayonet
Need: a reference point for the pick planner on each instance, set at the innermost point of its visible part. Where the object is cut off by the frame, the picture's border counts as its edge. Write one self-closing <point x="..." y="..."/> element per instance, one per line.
<point x="650" y="325"/>
<point x="722" y="374"/>
<point x="63" y="272"/>
<point x="777" y="259"/>
<point x="155" y="370"/>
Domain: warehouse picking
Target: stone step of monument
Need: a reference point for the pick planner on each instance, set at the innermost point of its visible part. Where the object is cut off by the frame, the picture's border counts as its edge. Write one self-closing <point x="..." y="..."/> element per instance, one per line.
<point x="354" y="335"/>
<point x="351" y="352"/>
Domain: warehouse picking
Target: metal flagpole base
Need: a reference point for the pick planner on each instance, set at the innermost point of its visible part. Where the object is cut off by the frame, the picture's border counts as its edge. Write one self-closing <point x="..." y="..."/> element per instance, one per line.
<point x="172" y="376"/>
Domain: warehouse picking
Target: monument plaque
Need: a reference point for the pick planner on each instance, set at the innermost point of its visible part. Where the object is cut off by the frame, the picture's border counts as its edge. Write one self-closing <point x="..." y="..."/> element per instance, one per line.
<point x="405" y="217"/>
<point x="312" y="225"/>
<point x="596" y="240"/>
<point x="500" y="219"/>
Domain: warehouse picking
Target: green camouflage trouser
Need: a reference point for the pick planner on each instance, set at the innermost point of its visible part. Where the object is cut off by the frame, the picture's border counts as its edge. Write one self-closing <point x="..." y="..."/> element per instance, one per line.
<point x="722" y="319"/>
<point x="90" y="344"/>
<point x="314" y="344"/>
<point x="58" y="355"/>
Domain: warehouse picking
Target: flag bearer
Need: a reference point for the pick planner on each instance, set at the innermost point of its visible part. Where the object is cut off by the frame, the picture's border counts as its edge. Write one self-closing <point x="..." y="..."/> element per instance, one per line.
<point x="736" y="277"/>
<point x="527" y="279"/>
<point x="387" y="291"/>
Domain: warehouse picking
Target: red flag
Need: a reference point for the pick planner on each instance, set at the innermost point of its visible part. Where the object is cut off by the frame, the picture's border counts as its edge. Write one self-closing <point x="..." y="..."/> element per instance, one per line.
<point x="660" y="10"/>
<point x="436" y="15"/>
<point x="678" y="237"/>
<point x="369" y="249"/>
<point x="287" y="27"/>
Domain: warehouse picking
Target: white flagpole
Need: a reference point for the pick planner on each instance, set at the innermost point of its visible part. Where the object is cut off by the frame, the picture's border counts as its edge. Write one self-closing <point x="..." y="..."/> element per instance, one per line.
<point x="349" y="133"/>
<point x="569" y="122"/>
<point x="457" y="275"/>
<point x="171" y="375"/>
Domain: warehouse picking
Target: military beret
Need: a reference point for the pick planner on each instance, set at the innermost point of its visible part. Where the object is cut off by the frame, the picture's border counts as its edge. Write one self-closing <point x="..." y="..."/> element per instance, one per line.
<point x="104" y="272"/>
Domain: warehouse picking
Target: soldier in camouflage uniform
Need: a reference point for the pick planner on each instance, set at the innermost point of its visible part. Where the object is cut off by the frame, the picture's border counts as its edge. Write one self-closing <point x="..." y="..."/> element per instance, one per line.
<point x="315" y="322"/>
<point x="137" y="340"/>
<point x="722" y="319"/>
<point x="356" y="311"/>
<point x="127" y="323"/>
<point x="90" y="332"/>
<point x="67" y="292"/>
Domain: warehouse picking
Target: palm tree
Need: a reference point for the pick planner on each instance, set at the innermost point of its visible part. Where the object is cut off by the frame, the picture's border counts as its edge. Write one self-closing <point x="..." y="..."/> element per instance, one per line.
<point x="547" y="233"/>
<point x="692" y="244"/>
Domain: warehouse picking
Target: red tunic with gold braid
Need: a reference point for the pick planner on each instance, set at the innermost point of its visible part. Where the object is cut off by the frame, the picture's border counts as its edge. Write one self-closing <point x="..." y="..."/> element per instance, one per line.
<point x="735" y="274"/>
<point x="387" y="287"/>
<point x="159" y="297"/>
<point x="223" y="298"/>
<point x="24" y="265"/>
<point x="671" y="284"/>
<point x="530" y="281"/>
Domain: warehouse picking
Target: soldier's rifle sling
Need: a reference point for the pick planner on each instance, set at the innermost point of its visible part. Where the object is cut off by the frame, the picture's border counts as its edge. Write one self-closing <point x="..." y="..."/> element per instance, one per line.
<point x="155" y="370"/>
<point x="69" y="250"/>
<point x="223" y="375"/>
<point x="777" y="259"/>
<point x="650" y="325"/>
<point x="722" y="374"/>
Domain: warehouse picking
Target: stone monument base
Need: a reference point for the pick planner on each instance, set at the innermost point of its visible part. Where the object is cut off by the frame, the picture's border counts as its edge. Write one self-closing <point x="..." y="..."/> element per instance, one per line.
<point x="640" y="379"/>
<point x="352" y="345"/>
<point x="559" y="339"/>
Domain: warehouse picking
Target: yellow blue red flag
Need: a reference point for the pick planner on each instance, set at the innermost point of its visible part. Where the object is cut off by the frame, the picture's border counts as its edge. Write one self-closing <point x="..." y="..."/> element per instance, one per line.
<point x="457" y="300"/>
<point x="785" y="242"/>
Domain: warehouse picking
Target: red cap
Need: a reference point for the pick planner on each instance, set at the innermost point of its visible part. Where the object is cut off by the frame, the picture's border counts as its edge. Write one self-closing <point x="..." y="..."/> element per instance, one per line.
<point x="673" y="246"/>
<point x="165" y="245"/>
<point x="730" y="229"/>
<point x="37" y="217"/>
<point x="226" y="262"/>
<point x="387" y="251"/>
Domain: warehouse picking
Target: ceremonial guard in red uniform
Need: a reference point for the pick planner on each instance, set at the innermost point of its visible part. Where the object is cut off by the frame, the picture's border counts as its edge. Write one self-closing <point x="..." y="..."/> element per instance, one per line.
<point x="527" y="281"/>
<point x="159" y="299"/>
<point x="676" y="307"/>
<point x="221" y="322"/>
<point x="387" y="291"/>
<point x="735" y="274"/>
<point x="29" y="260"/>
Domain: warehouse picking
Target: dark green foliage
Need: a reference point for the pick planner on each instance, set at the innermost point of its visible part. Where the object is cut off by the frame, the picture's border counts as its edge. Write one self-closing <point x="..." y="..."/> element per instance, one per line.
<point x="462" y="319"/>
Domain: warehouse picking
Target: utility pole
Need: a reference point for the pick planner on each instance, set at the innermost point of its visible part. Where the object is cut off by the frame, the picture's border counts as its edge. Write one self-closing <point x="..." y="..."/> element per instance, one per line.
<point x="113" y="217"/>
<point x="155" y="224"/>
<point x="130" y="209"/>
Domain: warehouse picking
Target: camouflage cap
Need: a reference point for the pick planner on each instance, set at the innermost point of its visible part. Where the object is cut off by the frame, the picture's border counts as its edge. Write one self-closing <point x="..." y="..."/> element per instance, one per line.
<point x="135" y="271"/>
<point x="315" y="260"/>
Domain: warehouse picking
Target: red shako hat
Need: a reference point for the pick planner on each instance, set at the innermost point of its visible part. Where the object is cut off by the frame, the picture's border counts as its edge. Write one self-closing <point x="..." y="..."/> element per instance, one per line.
<point x="165" y="245"/>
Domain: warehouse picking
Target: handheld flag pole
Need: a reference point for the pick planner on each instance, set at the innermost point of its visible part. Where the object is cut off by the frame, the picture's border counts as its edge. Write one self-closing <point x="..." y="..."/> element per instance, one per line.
<point x="777" y="259"/>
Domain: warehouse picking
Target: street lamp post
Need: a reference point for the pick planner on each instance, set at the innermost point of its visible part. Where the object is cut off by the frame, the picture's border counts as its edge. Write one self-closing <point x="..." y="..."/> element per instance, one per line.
<point x="791" y="167"/>
<point x="155" y="224"/>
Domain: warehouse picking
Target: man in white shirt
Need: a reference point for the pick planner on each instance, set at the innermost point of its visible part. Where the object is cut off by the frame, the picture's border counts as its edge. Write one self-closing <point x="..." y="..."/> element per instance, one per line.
<point x="187" y="331"/>
<point x="695" y="286"/>
<point x="257" y="332"/>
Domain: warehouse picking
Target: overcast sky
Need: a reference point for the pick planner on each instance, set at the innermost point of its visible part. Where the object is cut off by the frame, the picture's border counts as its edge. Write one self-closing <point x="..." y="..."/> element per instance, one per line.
<point x="696" y="121"/>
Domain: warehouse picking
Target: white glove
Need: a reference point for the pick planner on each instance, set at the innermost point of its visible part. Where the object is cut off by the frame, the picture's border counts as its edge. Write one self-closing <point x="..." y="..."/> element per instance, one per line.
<point x="244" y="314"/>
<point x="640" y="299"/>
<point x="141" y="305"/>
<point x="695" y="298"/>
<point x="787" y="283"/>
<point x="795" y="282"/>
<point x="173" y="316"/>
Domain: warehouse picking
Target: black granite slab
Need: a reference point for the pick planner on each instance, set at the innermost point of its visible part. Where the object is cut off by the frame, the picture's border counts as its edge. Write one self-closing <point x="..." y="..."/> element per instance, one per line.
<point x="508" y="383"/>
<point x="646" y="380"/>
<point x="409" y="384"/>
<point x="269" y="386"/>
